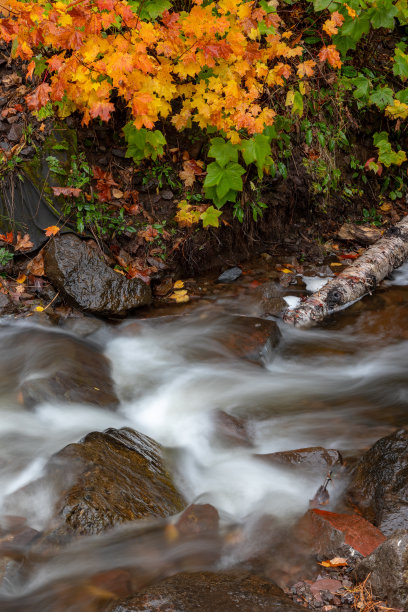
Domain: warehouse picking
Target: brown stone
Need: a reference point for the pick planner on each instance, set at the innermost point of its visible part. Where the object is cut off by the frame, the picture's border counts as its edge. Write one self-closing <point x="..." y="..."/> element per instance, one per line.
<point x="232" y="591"/>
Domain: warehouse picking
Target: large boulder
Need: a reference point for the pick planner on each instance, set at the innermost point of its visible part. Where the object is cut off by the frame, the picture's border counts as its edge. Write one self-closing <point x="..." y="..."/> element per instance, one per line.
<point x="379" y="487"/>
<point x="232" y="591"/>
<point x="387" y="568"/>
<point x="76" y="268"/>
<point x="46" y="365"/>
<point x="107" y="478"/>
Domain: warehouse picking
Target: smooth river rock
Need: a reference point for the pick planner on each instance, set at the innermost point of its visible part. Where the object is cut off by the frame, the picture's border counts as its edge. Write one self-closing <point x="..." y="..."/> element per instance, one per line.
<point x="76" y="268"/>
<point x="225" y="591"/>
<point x="44" y="365"/>
<point x="109" y="478"/>
<point x="379" y="487"/>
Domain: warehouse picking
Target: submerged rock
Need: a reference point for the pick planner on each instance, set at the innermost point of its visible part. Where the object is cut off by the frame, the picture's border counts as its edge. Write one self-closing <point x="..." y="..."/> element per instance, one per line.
<point x="379" y="487"/>
<point x="387" y="568"/>
<point x="248" y="337"/>
<point x="77" y="270"/>
<point x="315" y="458"/>
<point x="45" y="366"/>
<point x="229" y="591"/>
<point x="110" y="478"/>
<point x="230" y="275"/>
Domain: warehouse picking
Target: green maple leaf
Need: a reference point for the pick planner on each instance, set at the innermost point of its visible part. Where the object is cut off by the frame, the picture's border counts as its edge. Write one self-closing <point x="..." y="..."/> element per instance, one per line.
<point x="223" y="152"/>
<point x="210" y="217"/>
<point x="258" y="150"/>
<point x="382" y="97"/>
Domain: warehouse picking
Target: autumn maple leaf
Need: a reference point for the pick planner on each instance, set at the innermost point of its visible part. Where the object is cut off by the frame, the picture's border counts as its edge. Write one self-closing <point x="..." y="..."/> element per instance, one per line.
<point x="149" y="234"/>
<point x="39" y="97"/>
<point x="52" y="230"/>
<point x="330" y="54"/>
<point x="306" y="68"/>
<point x="23" y="243"/>
<point x="102" y="110"/>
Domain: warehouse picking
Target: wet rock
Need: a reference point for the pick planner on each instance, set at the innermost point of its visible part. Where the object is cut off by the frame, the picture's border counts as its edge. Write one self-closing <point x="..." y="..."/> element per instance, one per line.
<point x="388" y="570"/>
<point x="113" y="477"/>
<point x="379" y="487"/>
<point x="78" y="271"/>
<point x="231" y="430"/>
<point x="327" y="532"/>
<point x="53" y="366"/>
<point x="6" y="305"/>
<point x="166" y="194"/>
<point x="249" y="337"/>
<point x="198" y="519"/>
<point x="15" y="132"/>
<point x="209" y="592"/>
<point x="315" y="458"/>
<point x="229" y="276"/>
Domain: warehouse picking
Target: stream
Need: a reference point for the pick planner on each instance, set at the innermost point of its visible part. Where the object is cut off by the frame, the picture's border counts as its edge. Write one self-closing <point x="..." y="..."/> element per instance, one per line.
<point x="341" y="386"/>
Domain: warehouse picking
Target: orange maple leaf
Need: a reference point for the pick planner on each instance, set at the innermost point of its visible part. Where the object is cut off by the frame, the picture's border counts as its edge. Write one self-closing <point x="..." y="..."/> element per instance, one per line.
<point x="52" y="230"/>
<point x="23" y="243"/>
<point x="39" y="97"/>
<point x="306" y="68"/>
<point x="330" y="54"/>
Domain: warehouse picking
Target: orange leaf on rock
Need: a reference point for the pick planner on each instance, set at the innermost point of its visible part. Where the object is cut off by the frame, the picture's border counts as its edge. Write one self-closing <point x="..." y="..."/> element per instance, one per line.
<point x="8" y="238"/>
<point x="36" y="265"/>
<point x="23" y="243"/>
<point x="52" y="230"/>
<point x="67" y="191"/>
<point x="21" y="278"/>
<point x="335" y="562"/>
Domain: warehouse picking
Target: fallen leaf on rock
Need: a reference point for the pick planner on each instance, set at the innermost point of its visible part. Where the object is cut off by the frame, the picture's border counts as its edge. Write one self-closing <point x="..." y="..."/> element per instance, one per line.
<point x="52" y="230"/>
<point x="36" y="265"/>
<point x="8" y="238"/>
<point x="66" y="191"/>
<point x="23" y="243"/>
<point x="335" y="263"/>
<point x="336" y="562"/>
<point x="117" y="193"/>
<point x="21" y="278"/>
<point x="178" y="284"/>
<point x="39" y="308"/>
<point x="180" y="296"/>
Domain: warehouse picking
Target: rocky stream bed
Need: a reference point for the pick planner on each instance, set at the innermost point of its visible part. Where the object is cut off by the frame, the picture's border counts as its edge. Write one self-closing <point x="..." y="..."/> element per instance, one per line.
<point x="204" y="456"/>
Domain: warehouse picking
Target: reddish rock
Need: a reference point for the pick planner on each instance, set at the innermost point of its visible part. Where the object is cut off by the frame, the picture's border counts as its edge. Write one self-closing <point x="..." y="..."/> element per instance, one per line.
<point x="326" y="532"/>
<point x="198" y="519"/>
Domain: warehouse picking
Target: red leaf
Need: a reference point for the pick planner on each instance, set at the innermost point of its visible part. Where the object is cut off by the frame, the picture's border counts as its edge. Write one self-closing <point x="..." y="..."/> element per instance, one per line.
<point x="102" y="110"/>
<point x="8" y="238"/>
<point x="39" y="98"/>
<point x="67" y="191"/>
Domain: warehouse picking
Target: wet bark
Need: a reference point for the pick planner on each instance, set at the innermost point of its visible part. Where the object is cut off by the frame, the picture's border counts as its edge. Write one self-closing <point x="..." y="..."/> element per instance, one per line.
<point x="358" y="279"/>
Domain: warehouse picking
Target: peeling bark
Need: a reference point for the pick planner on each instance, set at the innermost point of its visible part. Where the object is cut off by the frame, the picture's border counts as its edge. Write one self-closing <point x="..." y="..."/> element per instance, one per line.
<point x="358" y="279"/>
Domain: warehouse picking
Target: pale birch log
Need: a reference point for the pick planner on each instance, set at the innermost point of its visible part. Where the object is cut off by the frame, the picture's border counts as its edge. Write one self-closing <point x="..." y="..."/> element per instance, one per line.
<point x="358" y="279"/>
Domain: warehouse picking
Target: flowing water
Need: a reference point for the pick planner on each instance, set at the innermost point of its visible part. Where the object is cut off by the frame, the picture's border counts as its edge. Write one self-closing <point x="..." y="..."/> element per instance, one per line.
<point x="342" y="385"/>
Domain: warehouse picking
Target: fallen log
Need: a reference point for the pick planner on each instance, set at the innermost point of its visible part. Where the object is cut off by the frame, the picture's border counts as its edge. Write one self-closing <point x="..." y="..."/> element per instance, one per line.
<point x="357" y="280"/>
